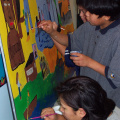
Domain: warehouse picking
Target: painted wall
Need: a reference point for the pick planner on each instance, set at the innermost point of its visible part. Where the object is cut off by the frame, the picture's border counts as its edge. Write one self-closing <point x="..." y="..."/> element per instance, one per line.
<point x="34" y="65"/>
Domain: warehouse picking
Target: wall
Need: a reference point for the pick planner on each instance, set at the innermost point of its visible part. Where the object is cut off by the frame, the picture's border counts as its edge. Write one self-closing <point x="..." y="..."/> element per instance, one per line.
<point x="73" y="7"/>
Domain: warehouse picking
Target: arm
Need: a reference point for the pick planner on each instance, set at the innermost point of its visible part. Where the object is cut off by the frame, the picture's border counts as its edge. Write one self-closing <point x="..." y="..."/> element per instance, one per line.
<point x="60" y="38"/>
<point x="96" y="66"/>
<point x="48" y="26"/>
<point x="61" y="48"/>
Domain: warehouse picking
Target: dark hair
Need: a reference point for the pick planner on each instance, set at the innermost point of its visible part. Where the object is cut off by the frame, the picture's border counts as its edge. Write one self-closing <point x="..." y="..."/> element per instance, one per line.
<point x="81" y="3"/>
<point x="84" y="92"/>
<point x="102" y="7"/>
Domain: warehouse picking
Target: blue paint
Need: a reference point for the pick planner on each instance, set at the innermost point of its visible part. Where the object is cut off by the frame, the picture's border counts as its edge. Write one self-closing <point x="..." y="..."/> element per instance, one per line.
<point x="48" y="101"/>
<point x="43" y="40"/>
<point x="2" y="72"/>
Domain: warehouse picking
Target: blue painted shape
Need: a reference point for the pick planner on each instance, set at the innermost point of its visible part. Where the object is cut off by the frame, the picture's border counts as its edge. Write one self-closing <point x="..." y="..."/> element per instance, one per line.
<point x="48" y="101"/>
<point x="43" y="40"/>
<point x="2" y="71"/>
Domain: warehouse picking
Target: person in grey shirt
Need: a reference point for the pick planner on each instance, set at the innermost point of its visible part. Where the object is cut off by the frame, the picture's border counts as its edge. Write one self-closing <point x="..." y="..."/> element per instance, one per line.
<point x="99" y="41"/>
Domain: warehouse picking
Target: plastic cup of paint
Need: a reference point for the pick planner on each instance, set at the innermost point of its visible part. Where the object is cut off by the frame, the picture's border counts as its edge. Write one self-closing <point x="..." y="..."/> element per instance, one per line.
<point x="75" y="52"/>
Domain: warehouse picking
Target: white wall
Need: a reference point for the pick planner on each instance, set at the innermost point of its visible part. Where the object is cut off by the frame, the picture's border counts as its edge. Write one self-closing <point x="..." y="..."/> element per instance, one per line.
<point x="73" y="7"/>
<point x="5" y="105"/>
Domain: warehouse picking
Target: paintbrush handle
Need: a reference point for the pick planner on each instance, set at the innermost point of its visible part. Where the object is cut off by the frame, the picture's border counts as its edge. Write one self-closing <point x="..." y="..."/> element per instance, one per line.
<point x="44" y="116"/>
<point x="33" y="28"/>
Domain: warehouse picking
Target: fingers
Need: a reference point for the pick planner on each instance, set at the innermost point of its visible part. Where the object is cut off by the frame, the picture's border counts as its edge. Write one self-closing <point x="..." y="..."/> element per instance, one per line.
<point x="47" y="111"/>
<point x="74" y="56"/>
<point x="55" y="26"/>
<point x="44" y="23"/>
<point x="80" y="60"/>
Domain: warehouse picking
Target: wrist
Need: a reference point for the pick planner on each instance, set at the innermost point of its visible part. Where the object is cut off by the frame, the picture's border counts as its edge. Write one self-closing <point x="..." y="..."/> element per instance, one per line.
<point x="89" y="62"/>
<point x="60" y="117"/>
<point x="53" y="34"/>
<point x="57" y="117"/>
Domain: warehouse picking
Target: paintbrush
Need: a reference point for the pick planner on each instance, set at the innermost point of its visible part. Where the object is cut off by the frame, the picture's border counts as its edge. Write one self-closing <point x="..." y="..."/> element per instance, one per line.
<point x="33" y="28"/>
<point x="41" y="28"/>
<point x="40" y="116"/>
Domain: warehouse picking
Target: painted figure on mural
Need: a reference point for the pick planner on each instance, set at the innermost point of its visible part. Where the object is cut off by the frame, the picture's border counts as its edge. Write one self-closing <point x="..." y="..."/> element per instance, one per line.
<point x="14" y="44"/>
<point x="27" y="16"/>
<point x="44" y="67"/>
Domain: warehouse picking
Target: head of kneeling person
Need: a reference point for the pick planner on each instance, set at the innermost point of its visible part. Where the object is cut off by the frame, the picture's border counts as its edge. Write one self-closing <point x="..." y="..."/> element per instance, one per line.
<point x="82" y="98"/>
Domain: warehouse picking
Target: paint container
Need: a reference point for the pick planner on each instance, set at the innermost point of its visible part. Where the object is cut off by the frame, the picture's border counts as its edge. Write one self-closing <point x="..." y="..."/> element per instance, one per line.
<point x="75" y="52"/>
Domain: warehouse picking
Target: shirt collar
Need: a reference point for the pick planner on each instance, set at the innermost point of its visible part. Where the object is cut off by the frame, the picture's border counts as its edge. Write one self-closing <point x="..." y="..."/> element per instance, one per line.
<point x="112" y="25"/>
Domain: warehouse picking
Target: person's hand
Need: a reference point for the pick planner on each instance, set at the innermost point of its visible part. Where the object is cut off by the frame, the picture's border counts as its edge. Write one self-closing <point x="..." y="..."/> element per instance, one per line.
<point x="48" y="111"/>
<point x="81" y="59"/>
<point x="48" y="26"/>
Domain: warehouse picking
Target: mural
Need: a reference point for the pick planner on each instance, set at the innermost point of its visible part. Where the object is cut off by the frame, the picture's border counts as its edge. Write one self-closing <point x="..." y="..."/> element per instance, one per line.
<point x="34" y="65"/>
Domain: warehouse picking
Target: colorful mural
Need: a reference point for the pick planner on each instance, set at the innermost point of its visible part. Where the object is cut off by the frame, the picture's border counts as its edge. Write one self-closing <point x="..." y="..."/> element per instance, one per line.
<point x="34" y="65"/>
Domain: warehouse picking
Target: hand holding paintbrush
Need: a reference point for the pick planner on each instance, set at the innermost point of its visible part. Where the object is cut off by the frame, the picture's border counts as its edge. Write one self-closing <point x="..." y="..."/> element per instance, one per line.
<point x="41" y="116"/>
<point x="48" y="26"/>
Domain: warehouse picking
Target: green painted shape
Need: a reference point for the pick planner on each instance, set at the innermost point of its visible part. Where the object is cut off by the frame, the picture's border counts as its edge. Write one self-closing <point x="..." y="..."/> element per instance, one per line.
<point x="59" y="17"/>
<point x="38" y="87"/>
<point x="24" y="15"/>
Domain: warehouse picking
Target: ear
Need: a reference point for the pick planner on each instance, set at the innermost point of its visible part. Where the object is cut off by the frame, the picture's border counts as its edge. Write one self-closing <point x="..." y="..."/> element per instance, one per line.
<point x="81" y="112"/>
<point x="107" y="18"/>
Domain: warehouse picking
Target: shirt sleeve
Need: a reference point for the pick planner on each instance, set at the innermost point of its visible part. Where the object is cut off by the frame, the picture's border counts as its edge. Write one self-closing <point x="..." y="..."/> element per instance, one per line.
<point x="108" y="78"/>
<point x="114" y="116"/>
<point x="76" y="40"/>
<point x="112" y="72"/>
<point x="68" y="61"/>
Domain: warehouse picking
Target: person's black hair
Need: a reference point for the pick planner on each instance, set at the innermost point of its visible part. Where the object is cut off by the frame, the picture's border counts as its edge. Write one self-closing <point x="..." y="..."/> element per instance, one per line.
<point x="84" y="92"/>
<point x="81" y="3"/>
<point x="102" y="7"/>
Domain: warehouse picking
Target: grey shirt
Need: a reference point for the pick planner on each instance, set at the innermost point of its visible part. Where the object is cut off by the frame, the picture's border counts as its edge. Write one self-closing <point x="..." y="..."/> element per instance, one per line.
<point x="104" y="47"/>
<point x="114" y="116"/>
